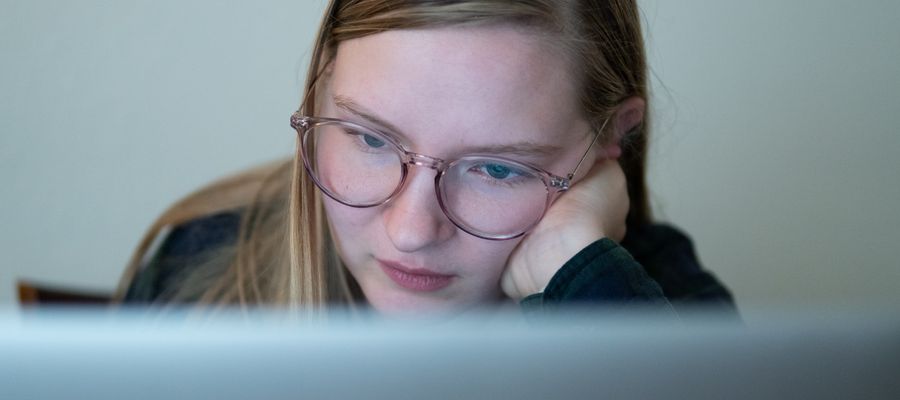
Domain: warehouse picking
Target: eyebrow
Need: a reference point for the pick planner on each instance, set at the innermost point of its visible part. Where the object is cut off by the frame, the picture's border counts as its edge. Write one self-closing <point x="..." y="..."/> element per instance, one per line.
<point x="524" y="148"/>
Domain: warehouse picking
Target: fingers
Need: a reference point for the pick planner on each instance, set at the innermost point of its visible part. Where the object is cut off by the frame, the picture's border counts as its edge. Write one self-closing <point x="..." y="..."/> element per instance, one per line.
<point x="606" y="175"/>
<point x="605" y="190"/>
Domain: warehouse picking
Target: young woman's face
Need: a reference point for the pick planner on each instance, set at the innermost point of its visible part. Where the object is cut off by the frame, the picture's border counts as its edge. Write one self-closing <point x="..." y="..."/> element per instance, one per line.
<point x="445" y="92"/>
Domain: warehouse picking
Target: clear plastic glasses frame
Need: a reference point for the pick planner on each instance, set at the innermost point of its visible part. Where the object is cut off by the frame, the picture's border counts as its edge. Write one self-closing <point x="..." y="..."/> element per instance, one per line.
<point x="555" y="185"/>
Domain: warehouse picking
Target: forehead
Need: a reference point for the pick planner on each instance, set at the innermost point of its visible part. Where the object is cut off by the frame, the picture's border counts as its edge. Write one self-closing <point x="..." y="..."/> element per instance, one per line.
<point x="485" y="85"/>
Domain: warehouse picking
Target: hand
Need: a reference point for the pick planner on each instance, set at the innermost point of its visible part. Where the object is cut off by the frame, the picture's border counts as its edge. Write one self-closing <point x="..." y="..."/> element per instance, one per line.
<point x="595" y="207"/>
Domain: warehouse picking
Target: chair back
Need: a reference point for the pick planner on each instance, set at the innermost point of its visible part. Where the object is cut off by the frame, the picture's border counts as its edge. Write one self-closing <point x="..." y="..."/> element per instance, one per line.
<point x="33" y="294"/>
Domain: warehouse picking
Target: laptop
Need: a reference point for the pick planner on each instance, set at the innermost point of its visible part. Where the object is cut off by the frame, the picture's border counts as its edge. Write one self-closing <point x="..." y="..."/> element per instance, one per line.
<point x="87" y="353"/>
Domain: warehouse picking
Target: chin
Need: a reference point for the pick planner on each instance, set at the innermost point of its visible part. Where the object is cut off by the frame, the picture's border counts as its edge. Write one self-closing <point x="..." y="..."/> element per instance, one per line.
<point x="393" y="302"/>
<point x="399" y="304"/>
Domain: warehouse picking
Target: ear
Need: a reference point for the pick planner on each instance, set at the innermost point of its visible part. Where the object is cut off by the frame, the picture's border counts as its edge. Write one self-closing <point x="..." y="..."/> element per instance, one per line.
<point x="629" y="114"/>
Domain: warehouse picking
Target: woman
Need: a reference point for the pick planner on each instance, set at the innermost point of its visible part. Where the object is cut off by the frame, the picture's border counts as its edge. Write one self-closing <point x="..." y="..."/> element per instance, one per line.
<point x="451" y="155"/>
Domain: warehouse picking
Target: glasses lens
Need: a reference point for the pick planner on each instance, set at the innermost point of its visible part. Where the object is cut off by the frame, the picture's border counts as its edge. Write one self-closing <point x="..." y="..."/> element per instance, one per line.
<point x="493" y="197"/>
<point x="355" y="166"/>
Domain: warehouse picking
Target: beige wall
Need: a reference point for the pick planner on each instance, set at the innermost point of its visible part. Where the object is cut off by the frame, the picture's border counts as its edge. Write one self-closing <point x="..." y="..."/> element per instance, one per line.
<point x="777" y="145"/>
<point x="775" y="133"/>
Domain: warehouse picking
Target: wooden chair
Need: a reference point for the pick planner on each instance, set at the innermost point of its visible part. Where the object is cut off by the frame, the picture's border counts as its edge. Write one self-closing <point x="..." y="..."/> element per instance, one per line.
<point x="34" y="294"/>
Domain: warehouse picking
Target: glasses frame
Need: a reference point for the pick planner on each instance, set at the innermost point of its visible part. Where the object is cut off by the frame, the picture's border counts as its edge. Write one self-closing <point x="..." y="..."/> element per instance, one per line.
<point x="555" y="184"/>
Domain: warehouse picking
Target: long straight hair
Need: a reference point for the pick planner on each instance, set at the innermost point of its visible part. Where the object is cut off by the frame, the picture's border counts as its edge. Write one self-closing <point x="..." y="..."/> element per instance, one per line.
<point x="284" y="254"/>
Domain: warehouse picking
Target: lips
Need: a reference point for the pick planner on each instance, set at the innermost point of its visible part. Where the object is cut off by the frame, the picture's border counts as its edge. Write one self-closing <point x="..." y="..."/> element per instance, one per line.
<point x="416" y="279"/>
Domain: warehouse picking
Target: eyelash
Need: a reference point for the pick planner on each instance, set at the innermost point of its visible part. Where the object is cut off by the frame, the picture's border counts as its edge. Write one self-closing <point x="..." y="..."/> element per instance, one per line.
<point x="359" y="139"/>
<point x="517" y="178"/>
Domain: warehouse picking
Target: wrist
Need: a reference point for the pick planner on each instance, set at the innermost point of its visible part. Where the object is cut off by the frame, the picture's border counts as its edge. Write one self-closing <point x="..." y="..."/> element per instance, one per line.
<point x="568" y="242"/>
<point x="558" y="249"/>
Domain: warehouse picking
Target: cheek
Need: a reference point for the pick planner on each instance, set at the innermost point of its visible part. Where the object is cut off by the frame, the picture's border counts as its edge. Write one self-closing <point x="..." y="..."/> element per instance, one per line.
<point x="490" y="258"/>
<point x="347" y="223"/>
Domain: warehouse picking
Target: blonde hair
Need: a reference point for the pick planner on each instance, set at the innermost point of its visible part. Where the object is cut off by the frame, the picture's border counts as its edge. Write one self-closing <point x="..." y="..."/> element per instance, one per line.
<point x="284" y="254"/>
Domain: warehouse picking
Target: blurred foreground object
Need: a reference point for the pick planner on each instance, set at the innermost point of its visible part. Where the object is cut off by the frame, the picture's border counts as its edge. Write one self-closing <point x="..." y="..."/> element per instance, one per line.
<point x="144" y="353"/>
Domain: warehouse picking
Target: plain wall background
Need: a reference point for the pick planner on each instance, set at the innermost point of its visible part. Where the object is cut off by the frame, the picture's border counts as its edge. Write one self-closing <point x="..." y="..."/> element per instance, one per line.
<point x="775" y="133"/>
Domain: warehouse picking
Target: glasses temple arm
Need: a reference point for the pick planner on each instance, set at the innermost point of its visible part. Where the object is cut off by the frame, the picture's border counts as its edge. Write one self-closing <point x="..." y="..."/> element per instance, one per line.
<point x="583" y="156"/>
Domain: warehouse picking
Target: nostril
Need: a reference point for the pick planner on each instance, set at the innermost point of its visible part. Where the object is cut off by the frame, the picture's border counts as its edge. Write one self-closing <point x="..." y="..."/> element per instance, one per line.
<point x="414" y="219"/>
<point x="409" y="229"/>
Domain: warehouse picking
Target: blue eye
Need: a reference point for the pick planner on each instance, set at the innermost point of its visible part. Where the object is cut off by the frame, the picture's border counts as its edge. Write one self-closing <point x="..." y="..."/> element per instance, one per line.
<point x="497" y="171"/>
<point x="373" y="141"/>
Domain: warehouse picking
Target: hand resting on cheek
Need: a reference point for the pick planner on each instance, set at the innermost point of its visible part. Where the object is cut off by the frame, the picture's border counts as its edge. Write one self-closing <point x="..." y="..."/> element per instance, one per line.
<point x="595" y="207"/>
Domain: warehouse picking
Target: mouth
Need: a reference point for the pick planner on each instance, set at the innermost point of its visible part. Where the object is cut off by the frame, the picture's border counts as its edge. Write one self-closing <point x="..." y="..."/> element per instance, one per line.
<point x="415" y="279"/>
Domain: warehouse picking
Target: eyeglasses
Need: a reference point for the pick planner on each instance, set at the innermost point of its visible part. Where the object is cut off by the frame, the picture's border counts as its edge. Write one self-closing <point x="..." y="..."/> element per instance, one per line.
<point x="491" y="197"/>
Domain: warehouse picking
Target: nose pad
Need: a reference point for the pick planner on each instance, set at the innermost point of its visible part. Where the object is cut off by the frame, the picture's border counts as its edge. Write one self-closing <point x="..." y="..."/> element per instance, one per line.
<point x="413" y="219"/>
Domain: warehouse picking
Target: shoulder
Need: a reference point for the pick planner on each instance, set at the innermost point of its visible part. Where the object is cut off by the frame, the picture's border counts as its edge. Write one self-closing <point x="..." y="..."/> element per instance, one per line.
<point x="184" y="251"/>
<point x="668" y="256"/>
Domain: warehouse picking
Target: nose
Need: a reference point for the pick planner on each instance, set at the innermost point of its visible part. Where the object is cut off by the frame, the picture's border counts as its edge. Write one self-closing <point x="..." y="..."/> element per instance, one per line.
<point x="414" y="219"/>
